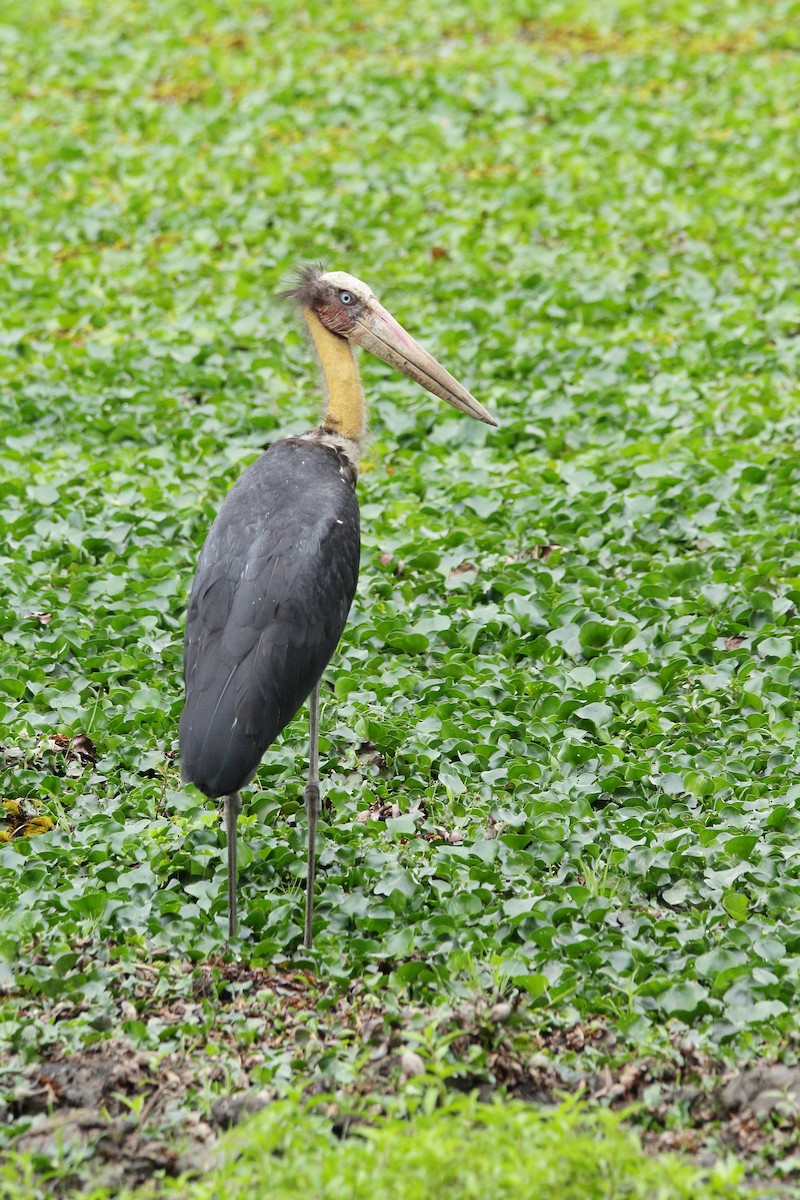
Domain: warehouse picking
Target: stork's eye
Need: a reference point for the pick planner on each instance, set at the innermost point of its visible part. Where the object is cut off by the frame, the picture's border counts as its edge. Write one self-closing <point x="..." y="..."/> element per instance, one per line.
<point x="347" y="297"/>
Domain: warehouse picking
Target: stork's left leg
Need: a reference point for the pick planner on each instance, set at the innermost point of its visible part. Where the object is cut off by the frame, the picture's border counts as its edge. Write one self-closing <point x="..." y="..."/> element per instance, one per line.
<point x="232" y="807"/>
<point x="312" y="811"/>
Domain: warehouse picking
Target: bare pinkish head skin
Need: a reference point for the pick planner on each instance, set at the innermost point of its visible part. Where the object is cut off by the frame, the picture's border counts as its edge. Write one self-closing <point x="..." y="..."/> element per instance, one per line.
<point x="347" y="307"/>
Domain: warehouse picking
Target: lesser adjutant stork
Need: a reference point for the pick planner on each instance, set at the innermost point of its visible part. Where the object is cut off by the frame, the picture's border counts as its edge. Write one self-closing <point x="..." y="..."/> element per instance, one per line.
<point x="278" y="570"/>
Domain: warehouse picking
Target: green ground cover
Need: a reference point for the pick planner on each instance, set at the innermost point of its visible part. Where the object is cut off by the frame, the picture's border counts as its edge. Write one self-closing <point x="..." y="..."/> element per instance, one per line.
<point x="560" y="733"/>
<point x="465" y="1151"/>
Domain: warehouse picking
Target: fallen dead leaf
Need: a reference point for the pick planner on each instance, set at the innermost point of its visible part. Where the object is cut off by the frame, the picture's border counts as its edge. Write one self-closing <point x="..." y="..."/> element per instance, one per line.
<point x="23" y="823"/>
<point x="539" y="553"/>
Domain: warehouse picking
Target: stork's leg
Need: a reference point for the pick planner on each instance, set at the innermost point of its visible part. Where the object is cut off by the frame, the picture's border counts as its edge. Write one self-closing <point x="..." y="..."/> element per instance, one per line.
<point x="312" y="811"/>
<point x="232" y="807"/>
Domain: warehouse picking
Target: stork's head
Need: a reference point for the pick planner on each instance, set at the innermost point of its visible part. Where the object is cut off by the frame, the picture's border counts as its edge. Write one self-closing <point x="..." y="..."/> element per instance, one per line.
<point x="348" y="308"/>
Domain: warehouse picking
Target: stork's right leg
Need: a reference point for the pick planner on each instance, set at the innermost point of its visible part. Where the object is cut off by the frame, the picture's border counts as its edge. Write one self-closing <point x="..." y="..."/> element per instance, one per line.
<point x="232" y="808"/>
<point x="312" y="812"/>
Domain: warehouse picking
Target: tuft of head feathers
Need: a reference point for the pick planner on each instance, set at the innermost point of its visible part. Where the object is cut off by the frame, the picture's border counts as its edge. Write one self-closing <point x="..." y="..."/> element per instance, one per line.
<point x="303" y="288"/>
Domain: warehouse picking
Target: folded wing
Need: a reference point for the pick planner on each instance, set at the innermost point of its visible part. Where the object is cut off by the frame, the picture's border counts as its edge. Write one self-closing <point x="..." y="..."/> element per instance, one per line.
<point x="274" y="584"/>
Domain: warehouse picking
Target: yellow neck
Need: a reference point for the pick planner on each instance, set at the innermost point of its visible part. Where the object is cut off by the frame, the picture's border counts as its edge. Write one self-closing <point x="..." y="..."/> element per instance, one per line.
<point x="346" y="412"/>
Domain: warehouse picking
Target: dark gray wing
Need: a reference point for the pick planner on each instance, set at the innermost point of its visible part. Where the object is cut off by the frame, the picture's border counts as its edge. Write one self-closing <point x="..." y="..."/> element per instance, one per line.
<point x="274" y="584"/>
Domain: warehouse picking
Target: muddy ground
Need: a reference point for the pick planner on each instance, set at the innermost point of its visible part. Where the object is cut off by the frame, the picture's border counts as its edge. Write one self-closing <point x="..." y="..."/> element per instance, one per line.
<point x="127" y="1114"/>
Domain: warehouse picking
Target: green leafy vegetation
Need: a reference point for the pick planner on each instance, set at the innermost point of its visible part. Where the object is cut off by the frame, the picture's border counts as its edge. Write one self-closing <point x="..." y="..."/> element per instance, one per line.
<point x="468" y="1150"/>
<point x="560" y="734"/>
<point x="464" y="1151"/>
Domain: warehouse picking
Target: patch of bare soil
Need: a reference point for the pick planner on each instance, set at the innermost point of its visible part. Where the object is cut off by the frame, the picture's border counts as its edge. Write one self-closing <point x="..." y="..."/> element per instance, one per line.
<point x="116" y="1107"/>
<point x="125" y="1114"/>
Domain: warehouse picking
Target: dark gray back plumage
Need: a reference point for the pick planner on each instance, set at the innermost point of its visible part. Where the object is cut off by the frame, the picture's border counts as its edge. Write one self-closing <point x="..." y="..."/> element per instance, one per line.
<point x="274" y="584"/>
